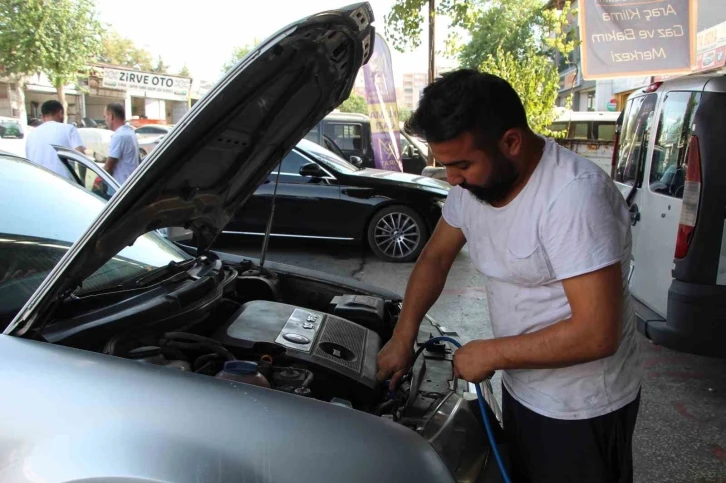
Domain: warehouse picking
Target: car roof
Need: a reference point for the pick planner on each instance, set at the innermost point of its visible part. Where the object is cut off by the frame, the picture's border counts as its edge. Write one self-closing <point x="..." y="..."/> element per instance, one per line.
<point x="588" y="116"/>
<point x="347" y="116"/>
<point x="707" y="82"/>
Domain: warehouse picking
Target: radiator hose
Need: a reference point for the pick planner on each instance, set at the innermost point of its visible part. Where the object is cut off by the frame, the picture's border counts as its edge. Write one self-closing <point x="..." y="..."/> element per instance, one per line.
<point x="482" y="408"/>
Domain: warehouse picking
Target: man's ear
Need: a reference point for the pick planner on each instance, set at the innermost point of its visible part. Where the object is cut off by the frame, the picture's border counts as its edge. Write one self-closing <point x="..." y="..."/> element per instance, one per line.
<point x="511" y="143"/>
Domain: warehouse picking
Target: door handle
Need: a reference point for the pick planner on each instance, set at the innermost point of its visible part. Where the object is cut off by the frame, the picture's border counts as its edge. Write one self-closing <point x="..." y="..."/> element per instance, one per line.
<point x="634" y="214"/>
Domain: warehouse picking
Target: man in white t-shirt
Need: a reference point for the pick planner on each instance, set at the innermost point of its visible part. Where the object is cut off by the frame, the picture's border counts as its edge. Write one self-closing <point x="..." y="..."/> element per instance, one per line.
<point x="551" y="233"/>
<point x="123" y="152"/>
<point x="39" y="145"/>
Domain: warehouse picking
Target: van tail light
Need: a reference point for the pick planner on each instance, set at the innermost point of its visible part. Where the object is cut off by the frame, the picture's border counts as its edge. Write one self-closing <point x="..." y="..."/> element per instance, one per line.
<point x="691" y="196"/>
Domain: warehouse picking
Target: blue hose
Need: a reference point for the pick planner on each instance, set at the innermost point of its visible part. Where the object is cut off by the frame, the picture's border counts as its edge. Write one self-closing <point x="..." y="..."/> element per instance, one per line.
<point x="483" y="410"/>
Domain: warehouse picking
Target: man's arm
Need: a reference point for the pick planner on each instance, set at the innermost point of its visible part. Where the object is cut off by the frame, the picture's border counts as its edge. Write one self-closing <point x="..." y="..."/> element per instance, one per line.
<point x="591" y="333"/>
<point x="110" y="165"/>
<point x="76" y="141"/>
<point x="424" y="287"/>
<point x="428" y="278"/>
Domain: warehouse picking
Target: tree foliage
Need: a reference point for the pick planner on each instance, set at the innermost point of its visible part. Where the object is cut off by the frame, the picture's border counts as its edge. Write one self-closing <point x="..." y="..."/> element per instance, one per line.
<point x="404" y="23"/>
<point x="160" y="67"/>
<point x="237" y="54"/>
<point x="354" y="103"/>
<point x="512" y="25"/>
<point x="56" y="37"/>
<point x="533" y="73"/>
<point x="184" y="71"/>
<point x="119" y="50"/>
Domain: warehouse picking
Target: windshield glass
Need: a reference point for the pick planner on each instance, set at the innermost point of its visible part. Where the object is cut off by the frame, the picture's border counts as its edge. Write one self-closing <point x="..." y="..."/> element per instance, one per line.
<point x="41" y="215"/>
<point x="328" y="158"/>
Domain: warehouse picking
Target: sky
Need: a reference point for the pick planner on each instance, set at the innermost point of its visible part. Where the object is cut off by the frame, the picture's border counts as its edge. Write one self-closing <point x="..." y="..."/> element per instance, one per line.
<point x="203" y="36"/>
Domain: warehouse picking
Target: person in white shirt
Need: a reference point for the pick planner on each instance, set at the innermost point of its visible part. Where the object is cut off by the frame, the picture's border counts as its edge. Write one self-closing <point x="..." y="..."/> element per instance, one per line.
<point x="551" y="232"/>
<point x="123" y="152"/>
<point x="39" y="145"/>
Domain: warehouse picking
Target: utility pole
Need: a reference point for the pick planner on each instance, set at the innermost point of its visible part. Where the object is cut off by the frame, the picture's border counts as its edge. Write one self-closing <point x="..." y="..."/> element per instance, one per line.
<point x="432" y="57"/>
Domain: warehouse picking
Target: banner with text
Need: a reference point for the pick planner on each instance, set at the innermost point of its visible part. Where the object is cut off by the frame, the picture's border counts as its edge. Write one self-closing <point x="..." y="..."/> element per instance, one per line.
<point x="148" y="84"/>
<point x="382" y="108"/>
<point x="637" y="37"/>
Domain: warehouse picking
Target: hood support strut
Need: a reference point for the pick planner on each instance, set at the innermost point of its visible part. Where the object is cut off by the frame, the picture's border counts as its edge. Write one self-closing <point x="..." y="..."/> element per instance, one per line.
<point x="268" y="229"/>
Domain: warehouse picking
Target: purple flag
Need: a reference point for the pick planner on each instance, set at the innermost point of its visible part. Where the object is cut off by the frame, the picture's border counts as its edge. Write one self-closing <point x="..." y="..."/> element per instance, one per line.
<point x="382" y="107"/>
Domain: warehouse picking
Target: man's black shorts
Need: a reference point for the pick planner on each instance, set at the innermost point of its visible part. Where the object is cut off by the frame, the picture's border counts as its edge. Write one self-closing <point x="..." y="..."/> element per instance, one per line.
<point x="547" y="450"/>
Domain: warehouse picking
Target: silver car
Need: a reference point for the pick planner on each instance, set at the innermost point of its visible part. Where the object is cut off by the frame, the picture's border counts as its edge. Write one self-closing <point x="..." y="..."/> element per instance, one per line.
<point x="119" y="344"/>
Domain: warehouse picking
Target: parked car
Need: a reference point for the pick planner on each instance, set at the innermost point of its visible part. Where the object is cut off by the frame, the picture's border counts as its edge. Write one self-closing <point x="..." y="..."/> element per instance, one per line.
<point x="13" y="135"/>
<point x="591" y="134"/>
<point x="153" y="130"/>
<point x="321" y="196"/>
<point x="116" y="334"/>
<point x="97" y="141"/>
<point x="351" y="138"/>
<point x="669" y="167"/>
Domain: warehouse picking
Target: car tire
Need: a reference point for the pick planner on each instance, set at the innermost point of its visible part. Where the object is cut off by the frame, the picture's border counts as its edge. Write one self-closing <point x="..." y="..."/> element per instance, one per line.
<point x="397" y="234"/>
<point x="142" y="154"/>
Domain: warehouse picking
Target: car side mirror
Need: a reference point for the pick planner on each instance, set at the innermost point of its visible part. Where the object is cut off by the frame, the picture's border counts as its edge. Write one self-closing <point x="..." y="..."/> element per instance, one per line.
<point x="356" y="161"/>
<point x="312" y="170"/>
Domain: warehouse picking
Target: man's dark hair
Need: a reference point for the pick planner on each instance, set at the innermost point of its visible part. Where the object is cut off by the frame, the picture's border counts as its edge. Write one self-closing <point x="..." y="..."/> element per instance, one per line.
<point x="467" y="100"/>
<point x="51" y="107"/>
<point x="117" y="109"/>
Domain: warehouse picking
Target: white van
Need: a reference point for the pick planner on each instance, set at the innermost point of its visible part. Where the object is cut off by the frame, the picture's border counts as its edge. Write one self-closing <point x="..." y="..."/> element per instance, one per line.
<point x="591" y="134"/>
<point x="670" y="164"/>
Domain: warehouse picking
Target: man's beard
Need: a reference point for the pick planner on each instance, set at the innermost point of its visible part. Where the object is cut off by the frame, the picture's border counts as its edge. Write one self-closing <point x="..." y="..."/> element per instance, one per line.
<point x="501" y="181"/>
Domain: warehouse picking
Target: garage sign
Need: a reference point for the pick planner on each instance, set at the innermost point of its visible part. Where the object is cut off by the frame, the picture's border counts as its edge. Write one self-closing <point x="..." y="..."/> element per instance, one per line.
<point x="637" y="37"/>
<point x="147" y="84"/>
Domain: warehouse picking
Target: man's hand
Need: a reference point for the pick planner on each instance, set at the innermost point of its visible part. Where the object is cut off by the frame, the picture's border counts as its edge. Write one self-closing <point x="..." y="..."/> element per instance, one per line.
<point x="474" y="362"/>
<point x="394" y="361"/>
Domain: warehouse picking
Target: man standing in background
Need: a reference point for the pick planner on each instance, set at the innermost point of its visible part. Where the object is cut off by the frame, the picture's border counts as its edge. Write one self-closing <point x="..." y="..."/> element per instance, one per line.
<point x="39" y="146"/>
<point x="123" y="153"/>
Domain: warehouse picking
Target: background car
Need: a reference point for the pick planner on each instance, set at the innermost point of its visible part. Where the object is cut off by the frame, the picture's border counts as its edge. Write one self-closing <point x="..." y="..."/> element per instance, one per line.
<point x="97" y="142"/>
<point x="349" y="135"/>
<point x="13" y="135"/>
<point x="322" y="196"/>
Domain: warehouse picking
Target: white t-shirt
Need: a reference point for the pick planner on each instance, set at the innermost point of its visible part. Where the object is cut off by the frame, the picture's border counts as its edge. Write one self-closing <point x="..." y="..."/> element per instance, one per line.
<point x="568" y="220"/>
<point x="125" y="148"/>
<point x="38" y="147"/>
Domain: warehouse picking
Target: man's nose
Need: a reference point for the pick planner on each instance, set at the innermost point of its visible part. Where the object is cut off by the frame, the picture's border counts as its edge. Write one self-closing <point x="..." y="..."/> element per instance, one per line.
<point x="453" y="177"/>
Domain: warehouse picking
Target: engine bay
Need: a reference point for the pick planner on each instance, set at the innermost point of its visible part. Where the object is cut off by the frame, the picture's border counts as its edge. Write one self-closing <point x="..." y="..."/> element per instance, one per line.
<point x="306" y="336"/>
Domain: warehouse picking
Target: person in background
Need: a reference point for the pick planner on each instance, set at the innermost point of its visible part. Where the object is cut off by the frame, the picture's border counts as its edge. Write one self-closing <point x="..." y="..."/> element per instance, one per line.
<point x="123" y="153"/>
<point x="39" y="146"/>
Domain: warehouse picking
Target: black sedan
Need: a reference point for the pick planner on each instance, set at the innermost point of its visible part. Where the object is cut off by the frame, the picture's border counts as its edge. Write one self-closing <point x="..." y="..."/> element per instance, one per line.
<point x="320" y="195"/>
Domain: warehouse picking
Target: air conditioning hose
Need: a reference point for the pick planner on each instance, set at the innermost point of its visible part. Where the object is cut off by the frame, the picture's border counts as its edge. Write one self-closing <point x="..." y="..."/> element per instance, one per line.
<point x="482" y="408"/>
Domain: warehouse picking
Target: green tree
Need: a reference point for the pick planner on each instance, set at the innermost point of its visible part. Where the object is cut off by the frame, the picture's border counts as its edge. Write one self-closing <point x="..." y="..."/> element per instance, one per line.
<point x="160" y="67"/>
<point x="237" y="54"/>
<point x="534" y="74"/>
<point x="512" y="25"/>
<point x="354" y="103"/>
<point x="404" y="114"/>
<point x="184" y="72"/>
<point x="58" y="38"/>
<point x="404" y="22"/>
<point x="118" y="50"/>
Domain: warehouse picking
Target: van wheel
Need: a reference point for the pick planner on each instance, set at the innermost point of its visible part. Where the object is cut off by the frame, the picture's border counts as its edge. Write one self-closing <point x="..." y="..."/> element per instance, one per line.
<point x="397" y="234"/>
<point x="142" y="154"/>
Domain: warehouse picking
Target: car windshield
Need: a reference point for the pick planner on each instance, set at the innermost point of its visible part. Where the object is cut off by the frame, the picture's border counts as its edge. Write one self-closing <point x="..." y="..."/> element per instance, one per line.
<point x="328" y="158"/>
<point x="41" y="215"/>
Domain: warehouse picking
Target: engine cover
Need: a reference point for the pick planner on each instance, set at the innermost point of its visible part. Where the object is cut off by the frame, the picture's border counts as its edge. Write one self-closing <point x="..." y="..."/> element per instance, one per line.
<point x="315" y="338"/>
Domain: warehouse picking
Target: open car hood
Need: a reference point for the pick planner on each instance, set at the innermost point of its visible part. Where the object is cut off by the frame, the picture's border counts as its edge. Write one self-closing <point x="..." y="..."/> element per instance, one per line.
<point x="224" y="147"/>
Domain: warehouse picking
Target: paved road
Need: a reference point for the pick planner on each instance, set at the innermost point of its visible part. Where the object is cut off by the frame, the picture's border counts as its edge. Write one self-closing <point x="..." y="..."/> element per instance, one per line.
<point x="681" y="431"/>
